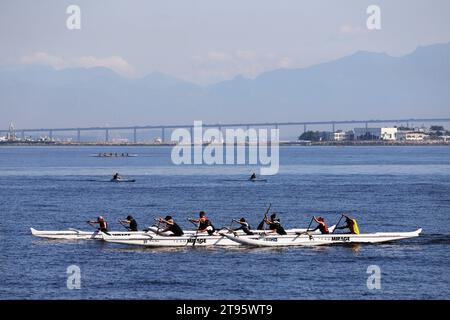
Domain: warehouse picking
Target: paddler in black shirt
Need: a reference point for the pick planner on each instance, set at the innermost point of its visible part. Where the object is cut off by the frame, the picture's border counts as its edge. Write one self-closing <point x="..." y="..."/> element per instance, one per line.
<point x="244" y="226"/>
<point x="170" y="226"/>
<point x="131" y="222"/>
<point x="116" y="176"/>
<point x="275" y="225"/>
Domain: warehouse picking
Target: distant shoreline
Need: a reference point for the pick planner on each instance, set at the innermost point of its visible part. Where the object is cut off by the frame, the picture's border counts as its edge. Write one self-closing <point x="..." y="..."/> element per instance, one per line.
<point x="290" y="143"/>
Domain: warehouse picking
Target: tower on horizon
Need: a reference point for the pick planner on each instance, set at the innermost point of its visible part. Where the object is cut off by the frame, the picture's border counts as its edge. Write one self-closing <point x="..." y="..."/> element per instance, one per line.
<point x="12" y="132"/>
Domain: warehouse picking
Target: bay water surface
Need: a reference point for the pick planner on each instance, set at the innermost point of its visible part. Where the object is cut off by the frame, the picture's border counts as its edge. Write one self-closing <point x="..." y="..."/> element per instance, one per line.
<point x="384" y="188"/>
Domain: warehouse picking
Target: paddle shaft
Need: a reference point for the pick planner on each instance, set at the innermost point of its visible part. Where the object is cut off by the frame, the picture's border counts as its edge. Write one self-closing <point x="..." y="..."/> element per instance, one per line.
<point x="310" y="223"/>
<point x="262" y="225"/>
<point x="196" y="232"/>
<point x="126" y="227"/>
<point x="338" y="223"/>
<point x="89" y="223"/>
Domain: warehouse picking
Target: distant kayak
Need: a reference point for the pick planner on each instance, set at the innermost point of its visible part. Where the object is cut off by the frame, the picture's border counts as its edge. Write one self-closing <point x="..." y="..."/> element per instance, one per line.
<point x="246" y="180"/>
<point x="113" y="155"/>
<point x="122" y="180"/>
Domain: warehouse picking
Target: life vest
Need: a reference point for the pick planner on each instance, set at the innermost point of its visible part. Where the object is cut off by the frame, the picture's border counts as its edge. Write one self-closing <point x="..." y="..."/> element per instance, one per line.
<point x="323" y="227"/>
<point x="103" y="225"/>
<point x="204" y="223"/>
<point x="354" y="227"/>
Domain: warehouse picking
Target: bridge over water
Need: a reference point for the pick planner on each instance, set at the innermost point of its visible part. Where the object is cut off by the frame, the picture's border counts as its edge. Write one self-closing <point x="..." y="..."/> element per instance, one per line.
<point x="135" y="129"/>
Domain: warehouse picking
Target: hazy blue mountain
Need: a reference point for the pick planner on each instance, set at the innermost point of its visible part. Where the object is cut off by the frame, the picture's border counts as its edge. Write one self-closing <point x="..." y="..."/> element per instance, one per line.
<point x="362" y="85"/>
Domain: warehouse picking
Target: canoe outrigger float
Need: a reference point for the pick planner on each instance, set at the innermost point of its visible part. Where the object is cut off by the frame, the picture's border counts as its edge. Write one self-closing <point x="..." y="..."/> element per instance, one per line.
<point x="302" y="239"/>
<point x="71" y="234"/>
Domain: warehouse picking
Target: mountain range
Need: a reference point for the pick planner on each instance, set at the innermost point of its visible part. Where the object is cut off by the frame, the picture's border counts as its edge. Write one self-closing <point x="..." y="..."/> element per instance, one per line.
<point x="363" y="85"/>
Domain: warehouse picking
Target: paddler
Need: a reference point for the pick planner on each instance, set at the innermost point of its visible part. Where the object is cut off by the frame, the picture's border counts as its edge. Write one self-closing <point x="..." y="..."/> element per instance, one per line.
<point x="275" y="225"/>
<point x="131" y="222"/>
<point x="321" y="225"/>
<point x="103" y="225"/>
<point x="116" y="176"/>
<point x="350" y="224"/>
<point x="244" y="226"/>
<point x="204" y="224"/>
<point x="170" y="226"/>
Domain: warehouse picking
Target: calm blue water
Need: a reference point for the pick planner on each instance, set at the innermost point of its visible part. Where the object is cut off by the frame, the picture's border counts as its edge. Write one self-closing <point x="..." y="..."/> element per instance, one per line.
<point x="385" y="188"/>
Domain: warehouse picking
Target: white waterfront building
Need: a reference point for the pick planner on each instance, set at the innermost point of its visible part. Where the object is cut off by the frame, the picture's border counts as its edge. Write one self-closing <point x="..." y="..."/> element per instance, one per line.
<point x="411" y="135"/>
<point x="387" y="133"/>
<point x="339" y="135"/>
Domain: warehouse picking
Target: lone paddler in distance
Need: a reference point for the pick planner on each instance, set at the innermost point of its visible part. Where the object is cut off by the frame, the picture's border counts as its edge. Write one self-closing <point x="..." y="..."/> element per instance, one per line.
<point x="116" y="177"/>
<point x="350" y="224"/>
<point x="204" y="224"/>
<point x="103" y="225"/>
<point x="170" y="226"/>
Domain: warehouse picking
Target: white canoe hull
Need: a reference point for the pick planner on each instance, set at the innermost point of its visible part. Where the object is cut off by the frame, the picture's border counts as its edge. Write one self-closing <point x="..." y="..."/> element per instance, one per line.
<point x="74" y="234"/>
<point x="321" y="239"/>
<point x="187" y="240"/>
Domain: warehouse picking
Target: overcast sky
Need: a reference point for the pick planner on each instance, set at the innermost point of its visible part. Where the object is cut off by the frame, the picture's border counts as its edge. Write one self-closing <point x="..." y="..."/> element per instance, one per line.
<point x="206" y="41"/>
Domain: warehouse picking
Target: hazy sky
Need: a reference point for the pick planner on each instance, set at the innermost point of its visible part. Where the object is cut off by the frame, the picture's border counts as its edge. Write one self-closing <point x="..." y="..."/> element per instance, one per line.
<point x="207" y="41"/>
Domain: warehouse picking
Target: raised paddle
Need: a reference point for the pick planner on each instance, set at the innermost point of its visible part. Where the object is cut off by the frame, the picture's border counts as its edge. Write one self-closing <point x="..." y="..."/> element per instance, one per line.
<point x="231" y="223"/>
<point x="337" y="223"/>
<point x="310" y="223"/>
<point x="307" y="229"/>
<point x="261" y="225"/>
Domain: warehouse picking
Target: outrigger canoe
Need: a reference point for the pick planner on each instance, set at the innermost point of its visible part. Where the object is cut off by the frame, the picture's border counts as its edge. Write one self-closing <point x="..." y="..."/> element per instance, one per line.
<point x="302" y="239"/>
<point x="190" y="238"/>
<point x="75" y="234"/>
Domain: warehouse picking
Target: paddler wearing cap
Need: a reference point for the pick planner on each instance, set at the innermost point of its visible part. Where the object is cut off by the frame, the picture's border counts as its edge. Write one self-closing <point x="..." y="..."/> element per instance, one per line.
<point x="170" y="226"/>
<point x="275" y="225"/>
<point x="103" y="225"/>
<point x="133" y="226"/>
<point x="321" y="225"/>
